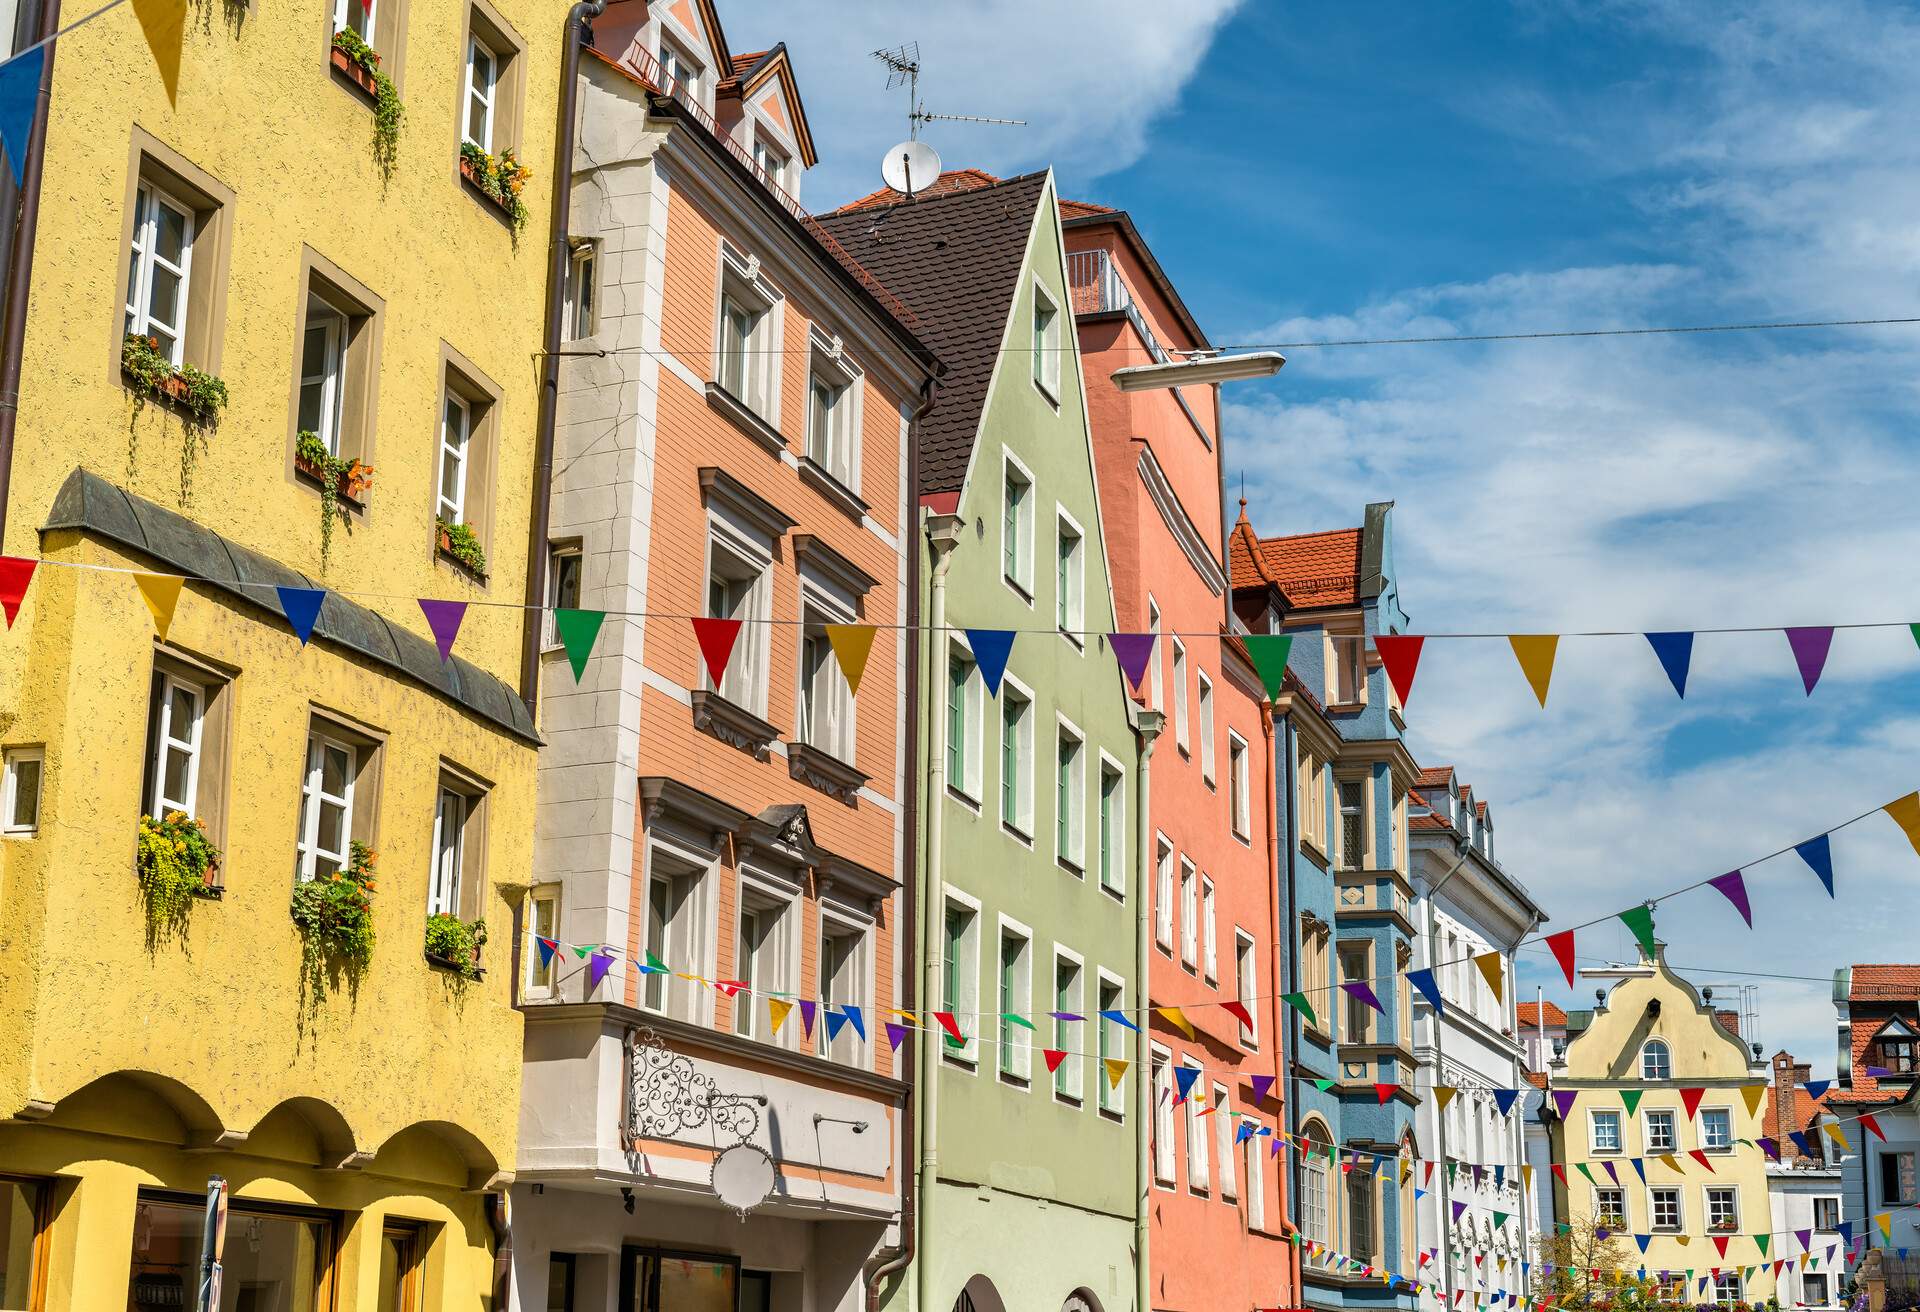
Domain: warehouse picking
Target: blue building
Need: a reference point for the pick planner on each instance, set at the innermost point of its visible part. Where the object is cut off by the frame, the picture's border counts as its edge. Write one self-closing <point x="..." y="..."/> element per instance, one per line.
<point x="1343" y="774"/>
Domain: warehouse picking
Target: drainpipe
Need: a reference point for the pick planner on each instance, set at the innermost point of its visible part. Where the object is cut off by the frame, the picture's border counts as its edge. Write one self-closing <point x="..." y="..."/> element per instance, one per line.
<point x="1461" y="848"/>
<point x="887" y="1261"/>
<point x="562" y="216"/>
<point x="13" y="337"/>
<point x="1148" y="725"/>
<point x="943" y="535"/>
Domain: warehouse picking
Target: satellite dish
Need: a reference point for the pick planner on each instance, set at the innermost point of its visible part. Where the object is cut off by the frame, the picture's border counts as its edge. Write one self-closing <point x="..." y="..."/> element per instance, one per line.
<point x="743" y="1176"/>
<point x="910" y="167"/>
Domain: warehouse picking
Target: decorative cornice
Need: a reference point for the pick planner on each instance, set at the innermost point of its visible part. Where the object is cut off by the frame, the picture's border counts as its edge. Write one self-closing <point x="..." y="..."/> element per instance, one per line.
<point x="1198" y="554"/>
<point x="742" y="416"/>
<point x="718" y="487"/>
<point x="829" y="774"/>
<point x="811" y="552"/>
<point x="663" y="798"/>
<point x="734" y="725"/>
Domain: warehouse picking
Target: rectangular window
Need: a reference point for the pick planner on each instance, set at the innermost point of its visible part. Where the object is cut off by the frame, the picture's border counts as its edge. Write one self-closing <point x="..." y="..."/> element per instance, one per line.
<point x="326" y="805"/>
<point x="283" y="1255"/>
<point x="20" y="793"/>
<point x="1726" y="1288"/>
<point x="964" y="693"/>
<point x="403" y="1250"/>
<point x="449" y="834"/>
<point x="1610" y="1207"/>
<point x="178" y="720"/>
<point x="1897" y="1055"/>
<point x="1663" y="1208"/>
<point x="680" y="70"/>
<point x="1660" y="1132"/>
<point x="1179" y="694"/>
<point x="1813" y="1289"/>
<point x="1209" y="932"/>
<point x="159" y="270"/>
<point x="1606" y="1132"/>
<point x="1016" y="528"/>
<point x="564" y="562"/>
<point x="738" y="588"/>
<point x="1826" y="1214"/>
<point x="826" y="719"/>
<point x="456" y="431"/>
<point x="1223" y="1132"/>
<point x="739" y="327"/>
<point x="1716" y="1129"/>
<point x="323" y="371"/>
<point x="1156" y="693"/>
<point x="1354" y="965"/>
<point x="483" y="76"/>
<point x="543" y="921"/>
<point x="1353" y="824"/>
<point x="1363" y="1223"/>
<point x="1113" y="827"/>
<point x="1016" y="761"/>
<point x="1014" y="999"/>
<point x="1070" y="800"/>
<point x="1209" y="771"/>
<point x="1163" y="896"/>
<point x="1349" y="651"/>
<point x="756" y="956"/>
<point x="1199" y="1174"/>
<point x="23" y="1239"/>
<point x="1239" y="788"/>
<point x="1256" y="1182"/>
<point x="843" y="983"/>
<point x="1723" y="1209"/>
<point x="355" y="16"/>
<point x="1112" y="1045"/>
<point x="1246" y="986"/>
<point x="771" y="163"/>
<point x="582" y="314"/>
<point x="675" y="935"/>
<point x="1069" y="583"/>
<point x="1046" y="342"/>
<point x="960" y="976"/>
<point x="1163" y="1117"/>
<point x="1069" y="1078"/>
<point x="1896" y="1178"/>
<point x="1189" y="915"/>
<point x="1314" y="1190"/>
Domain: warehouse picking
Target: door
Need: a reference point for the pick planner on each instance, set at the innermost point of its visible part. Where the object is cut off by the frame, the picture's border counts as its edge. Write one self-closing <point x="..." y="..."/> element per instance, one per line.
<point x="661" y="1280"/>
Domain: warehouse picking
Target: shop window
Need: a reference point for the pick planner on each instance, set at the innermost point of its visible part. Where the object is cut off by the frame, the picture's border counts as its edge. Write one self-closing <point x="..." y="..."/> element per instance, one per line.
<point x="273" y="1257"/>
<point x="659" y="1280"/>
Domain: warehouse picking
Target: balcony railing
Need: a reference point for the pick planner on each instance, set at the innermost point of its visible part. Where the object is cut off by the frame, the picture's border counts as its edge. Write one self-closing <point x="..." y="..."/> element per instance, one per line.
<point x="1095" y="286"/>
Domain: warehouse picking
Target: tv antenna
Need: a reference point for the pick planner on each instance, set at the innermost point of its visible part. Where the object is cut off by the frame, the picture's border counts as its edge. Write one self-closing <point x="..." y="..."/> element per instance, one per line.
<point x="903" y="69"/>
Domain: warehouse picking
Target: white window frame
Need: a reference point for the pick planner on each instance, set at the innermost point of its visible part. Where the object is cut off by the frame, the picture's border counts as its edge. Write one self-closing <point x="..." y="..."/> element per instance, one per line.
<point x="1199" y="1169"/>
<point x="1013" y="1054"/>
<point x="830" y="693"/>
<point x="1113" y="835"/>
<point x="140" y="320"/>
<point x="1110" y="1041"/>
<point x="1070" y="606"/>
<point x="1246" y="985"/>
<point x="1165" y="1168"/>
<point x="1163" y="893"/>
<point x="1602" y="1214"/>
<point x="1668" y="1117"/>
<point x="542" y="981"/>
<point x="1203" y="708"/>
<point x="1256" y="1179"/>
<point x="193" y="745"/>
<point x="1239" y="787"/>
<point x="443" y="877"/>
<point x="487" y="96"/>
<point x="1670" y="1193"/>
<point x="308" y="853"/>
<point x="459" y="448"/>
<point x="1595" y="1118"/>
<point x="972" y="784"/>
<point x="1073" y="852"/>
<point x="680" y="69"/>
<point x="776" y="903"/>
<point x="1223" y="1146"/>
<point x="744" y="681"/>
<point x="10" y="825"/>
<point x="696" y="922"/>
<point x="1021" y="579"/>
<point x="754" y="380"/>
<point x="343" y="8"/>
<point x="1021" y="823"/>
<point x="1707" y="1143"/>
<point x="1048" y="342"/>
<point x="331" y="322"/>
<point x="849" y="1048"/>
<point x="1648" y="1070"/>
<point x="1069" y="1080"/>
<point x="582" y="288"/>
<point x="557" y="553"/>
<point x="1707" y="1193"/>
<point x="837" y="449"/>
<point x="1180" y="695"/>
<point x="1189" y="914"/>
<point x="1316" y="1188"/>
<point x="966" y="976"/>
<point x="1209" y="931"/>
<point x="1156" y="689"/>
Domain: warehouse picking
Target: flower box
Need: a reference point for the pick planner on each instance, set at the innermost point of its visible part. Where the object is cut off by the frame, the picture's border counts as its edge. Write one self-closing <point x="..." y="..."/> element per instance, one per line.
<point x="443" y="545"/>
<point x="352" y="72"/>
<point x="346" y="491"/>
<point x="474" y="971"/>
<point x="475" y="180"/>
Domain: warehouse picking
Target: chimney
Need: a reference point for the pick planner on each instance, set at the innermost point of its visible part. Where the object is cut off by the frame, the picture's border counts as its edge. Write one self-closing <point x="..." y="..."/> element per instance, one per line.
<point x="1787" y="1076"/>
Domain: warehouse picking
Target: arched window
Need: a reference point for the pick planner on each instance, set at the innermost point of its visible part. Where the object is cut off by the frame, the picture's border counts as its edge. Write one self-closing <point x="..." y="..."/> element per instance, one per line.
<point x="1314" y="1175"/>
<point x="1655" y="1061"/>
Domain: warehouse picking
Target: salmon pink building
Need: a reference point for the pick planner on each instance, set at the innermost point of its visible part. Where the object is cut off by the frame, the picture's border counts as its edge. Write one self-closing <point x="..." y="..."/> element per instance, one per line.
<point x="1217" y="1205"/>
<point x="713" y="1115"/>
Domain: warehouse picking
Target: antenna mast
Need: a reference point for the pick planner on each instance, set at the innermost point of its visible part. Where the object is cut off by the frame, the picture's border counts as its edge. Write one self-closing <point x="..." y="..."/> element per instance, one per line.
<point x="903" y="69"/>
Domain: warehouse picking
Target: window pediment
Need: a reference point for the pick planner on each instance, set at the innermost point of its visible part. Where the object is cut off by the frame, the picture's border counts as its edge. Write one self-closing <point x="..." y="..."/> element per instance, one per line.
<point x="721" y="491"/>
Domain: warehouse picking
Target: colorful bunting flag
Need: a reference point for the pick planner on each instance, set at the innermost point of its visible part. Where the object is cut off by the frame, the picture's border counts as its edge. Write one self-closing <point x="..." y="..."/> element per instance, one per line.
<point x="1492" y="972"/>
<point x="548" y="948"/>
<point x="1116" y="1071"/>
<point x="851" y="644"/>
<point x="1871" y="1124"/>
<point x="1269" y="652"/>
<point x="1563" y="1101"/>
<point x="1134" y="651"/>
<point x="1238" y="1010"/>
<point x="1442" y="1094"/>
<point x="1384" y="1091"/>
<point x="807" y="1009"/>
<point x="1834" y="1133"/>
<point x="856" y="1018"/>
<point x="597" y="967"/>
<point x="1400" y="655"/>
<point x="1640" y="920"/>
<point x="896" y="1032"/>
<point x="991" y="648"/>
<point x="1905" y="812"/>
<point x="161" y="592"/>
<point x="1176" y="1018"/>
<point x="1298" y="1001"/>
<point x="1535" y="652"/>
<point x="1810" y="653"/>
<point x="835" y="1021"/>
<point x="301" y="606"/>
<point x="1675" y="651"/>
<point x="1183" y="1081"/>
<point x="1015" y="1018"/>
<point x="1733" y="886"/>
<point x="947" y="1023"/>
<point x="1358" y="988"/>
<point x="1503" y="1099"/>
<point x="443" y="620"/>
<point x="1630" y="1098"/>
<point x="19" y="97"/>
<point x="1701" y="1158"/>
<point x="1690" y="1100"/>
<point x="1817" y="1089"/>
<point x="1120" y="1018"/>
<point x="1752" y="1094"/>
<point x="1054" y="1057"/>
<point x="716" y="638"/>
<point x="577" y="630"/>
<point x="1561" y="945"/>
<point x="1818" y="854"/>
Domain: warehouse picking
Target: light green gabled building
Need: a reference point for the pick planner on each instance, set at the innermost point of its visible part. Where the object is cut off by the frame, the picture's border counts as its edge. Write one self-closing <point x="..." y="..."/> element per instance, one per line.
<point x="1029" y="1179"/>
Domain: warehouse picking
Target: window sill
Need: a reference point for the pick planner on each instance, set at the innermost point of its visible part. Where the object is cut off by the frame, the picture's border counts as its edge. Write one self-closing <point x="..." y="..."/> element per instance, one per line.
<point x="452" y="967"/>
<point x="965" y="798"/>
<point x="1016" y="831"/>
<point x="1071" y="866"/>
<point x="1047" y="393"/>
<point x="345" y="70"/>
<point x="306" y="472"/>
<point x="825" y="772"/>
<point x="458" y="565"/>
<point x="734" y="725"/>
<point x="1074" y="636"/>
<point x="743" y="417"/>
<point x="497" y="208"/>
<point x="818" y="477"/>
<point x="1018" y="589"/>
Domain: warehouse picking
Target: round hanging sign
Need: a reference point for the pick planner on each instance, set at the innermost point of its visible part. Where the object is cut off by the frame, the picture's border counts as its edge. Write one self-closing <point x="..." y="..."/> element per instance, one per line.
<point x="743" y="1177"/>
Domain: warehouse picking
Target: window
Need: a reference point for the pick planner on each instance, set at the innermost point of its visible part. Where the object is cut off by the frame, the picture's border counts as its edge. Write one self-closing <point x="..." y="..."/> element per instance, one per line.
<point x="326" y="805"/>
<point x="1016" y="760"/>
<point x="679" y="69"/>
<point x="1112" y="1044"/>
<point x="1723" y="1208"/>
<point x="1209" y="932"/>
<point x="964" y="698"/>
<point x="564" y="561"/>
<point x="1046" y="342"/>
<point x="1826" y="1214"/>
<point x="1316" y="972"/>
<point x="323" y="369"/>
<point x="1655" y="1061"/>
<point x="1189" y="915"/>
<point x="355" y="16"/>
<point x="581" y="315"/>
<point x="1313" y="782"/>
<point x="1606" y="1132"/>
<point x="1256" y="1182"/>
<point x="1896" y="1178"/>
<point x="1014" y="999"/>
<point x="1356" y="964"/>
<point x="1716" y="1129"/>
<point x="1070" y="799"/>
<point x="1069" y="1078"/>
<point x="456" y="430"/>
<point x="20" y="792"/>
<point x="1896" y="1054"/>
<point x="160" y="269"/>
<point x="463" y="449"/>
<point x="1113" y="826"/>
<point x="763" y="957"/>
<point x="1353" y="824"/>
<point x="23" y="1239"/>
<point x="1246" y="986"/>
<point x="1663" y="1208"/>
<point x="1672" y="1287"/>
<point x="1199" y="1174"/>
<point x="843" y="983"/>
<point x="186" y="744"/>
<point x="830" y="425"/>
<point x="483" y="79"/>
<point x="279" y="1256"/>
<point x="1238" y="787"/>
<point x="543" y="921"/>
<point x="737" y="589"/>
<point x="1179" y="694"/>
<point x="675" y="933"/>
<point x="1362" y="1221"/>
<point x="960" y="975"/>
<point x="1016" y="528"/>
<point x="1610" y="1207"/>
<point x="1660" y="1134"/>
<point x="1814" y="1289"/>
<point x="1069" y="583"/>
<point x="771" y="162"/>
<point x="1726" y="1288"/>
<point x="1223" y="1145"/>
<point x="1163" y="896"/>
<point x="748" y="337"/>
<point x="459" y="840"/>
<point x="1347" y="652"/>
<point x="1156" y="693"/>
<point x="826" y="719"/>
<point x="1314" y="1195"/>
<point x="1162" y="1116"/>
<point x="1208" y="770"/>
<point x="402" y="1247"/>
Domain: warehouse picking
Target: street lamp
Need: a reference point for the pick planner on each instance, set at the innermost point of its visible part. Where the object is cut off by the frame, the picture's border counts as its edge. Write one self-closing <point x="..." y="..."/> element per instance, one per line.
<point x="1198" y="371"/>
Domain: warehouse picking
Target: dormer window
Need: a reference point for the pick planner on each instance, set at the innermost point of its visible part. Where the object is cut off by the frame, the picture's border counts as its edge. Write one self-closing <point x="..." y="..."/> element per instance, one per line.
<point x="772" y="163"/>
<point x="679" y="70"/>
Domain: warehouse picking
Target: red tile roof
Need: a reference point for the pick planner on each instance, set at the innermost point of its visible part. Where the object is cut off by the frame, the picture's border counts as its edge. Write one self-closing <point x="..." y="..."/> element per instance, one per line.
<point x="1435" y="776"/>
<point x="1480" y="810"/>
<point x="1536" y="1079"/>
<point x="1530" y="1014"/>
<point x="1428" y="822"/>
<point x="950" y="183"/>
<point x="1080" y="209"/>
<point x="1885" y="983"/>
<point x="1867" y="1088"/>
<point x="1315" y="569"/>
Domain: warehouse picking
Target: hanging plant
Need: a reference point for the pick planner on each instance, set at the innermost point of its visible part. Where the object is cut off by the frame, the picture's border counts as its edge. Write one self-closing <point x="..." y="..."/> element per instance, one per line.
<point x="361" y="62"/>
<point x="341" y="480"/>
<point x="334" y="913"/>
<point x="460" y="542"/>
<point x="456" y="943"/>
<point x="198" y="397"/>
<point x="500" y="179"/>
<point x="174" y="860"/>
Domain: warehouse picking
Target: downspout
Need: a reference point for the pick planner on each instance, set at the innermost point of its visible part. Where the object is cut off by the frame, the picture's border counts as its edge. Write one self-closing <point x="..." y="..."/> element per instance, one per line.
<point x="13" y="337"/>
<point x="1290" y="1040"/>
<point x="943" y="535"/>
<point x="1148" y="725"/>
<point x="533" y="617"/>
<point x="886" y="1261"/>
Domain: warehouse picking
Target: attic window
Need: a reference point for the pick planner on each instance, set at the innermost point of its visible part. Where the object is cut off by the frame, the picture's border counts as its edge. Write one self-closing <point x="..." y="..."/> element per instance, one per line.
<point x="771" y="161"/>
<point x="678" y="69"/>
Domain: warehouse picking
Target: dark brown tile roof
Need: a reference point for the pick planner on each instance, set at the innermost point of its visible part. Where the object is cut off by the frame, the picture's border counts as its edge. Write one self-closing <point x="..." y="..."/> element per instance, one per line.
<point x="949" y="182"/>
<point x="955" y="260"/>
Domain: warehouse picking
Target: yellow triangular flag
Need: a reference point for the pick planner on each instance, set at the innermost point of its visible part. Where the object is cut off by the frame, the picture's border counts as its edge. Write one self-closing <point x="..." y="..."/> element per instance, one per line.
<point x="1906" y="814"/>
<point x="1535" y="653"/>
<point x="1526" y="1177"/>
<point x="1672" y="1163"/>
<point x="906" y="1016"/>
<point x="852" y="644"/>
<point x="1116" y="1071"/>
<point x="1176" y="1018"/>
<point x="777" y="1012"/>
<point x="1753" y="1093"/>
<point x="1406" y="1169"/>
<point x="162" y="594"/>
<point x="1443" y="1094"/>
<point x="164" y="22"/>
<point x="1489" y="963"/>
<point x="1885" y="1221"/>
<point x="1833" y="1131"/>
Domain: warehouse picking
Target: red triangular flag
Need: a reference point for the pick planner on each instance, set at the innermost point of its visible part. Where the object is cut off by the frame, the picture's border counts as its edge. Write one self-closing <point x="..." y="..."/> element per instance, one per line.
<point x="15" y="573"/>
<point x="1690" y="1099"/>
<point x="1562" y="946"/>
<point x="946" y="1023"/>
<point x="1054" y="1057"/>
<point x="1238" y="1010"/>
<point x="1400" y="655"/>
<point x="1700" y="1157"/>
<point x="1871" y="1126"/>
<point x="716" y="644"/>
<point x="1720" y="1242"/>
<point x="1385" y="1091"/>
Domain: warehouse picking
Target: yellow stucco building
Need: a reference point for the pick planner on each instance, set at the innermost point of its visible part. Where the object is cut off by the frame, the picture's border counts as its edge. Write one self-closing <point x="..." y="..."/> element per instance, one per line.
<point x="1660" y="1077"/>
<point x="239" y="225"/>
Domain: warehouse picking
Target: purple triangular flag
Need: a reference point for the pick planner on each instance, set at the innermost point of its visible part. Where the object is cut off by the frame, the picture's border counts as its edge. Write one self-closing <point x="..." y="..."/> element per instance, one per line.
<point x="1459" y="1210"/>
<point x="597" y="967"/>
<point x="1133" y="651"/>
<point x="806" y="1017"/>
<point x="444" y="617"/>
<point x="991" y="647"/>
<point x="1358" y="988"/>
<point x="1818" y="854"/>
<point x="1261" y="1083"/>
<point x="1612" y="1174"/>
<point x="1563" y="1101"/>
<point x="301" y="606"/>
<point x="1769" y="1147"/>
<point x="1804" y="1236"/>
<point x="895" y="1033"/>
<point x="1734" y="885"/>
<point x="1810" y="653"/>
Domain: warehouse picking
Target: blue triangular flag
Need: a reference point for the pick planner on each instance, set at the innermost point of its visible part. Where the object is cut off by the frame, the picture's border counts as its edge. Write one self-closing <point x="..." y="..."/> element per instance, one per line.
<point x="547" y="948"/>
<point x="1675" y="651"/>
<point x="302" y="609"/>
<point x="857" y="1019"/>
<point x="1120" y="1018"/>
<point x="991" y="647"/>
<point x="1818" y="853"/>
<point x="1844" y="1227"/>
<point x="19" y="95"/>
<point x="1244" y="1133"/>
<point x="1817" y="1089"/>
<point x="1639" y="1169"/>
<point x="1503" y="1099"/>
<point x="1429" y="988"/>
<point x="1643" y="1241"/>
<point x="836" y="1021"/>
<point x="1418" y="1193"/>
<point x="1183" y="1078"/>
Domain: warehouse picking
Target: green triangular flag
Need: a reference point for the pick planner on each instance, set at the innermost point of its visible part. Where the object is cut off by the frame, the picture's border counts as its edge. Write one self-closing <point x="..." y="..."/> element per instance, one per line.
<point x="1500" y="1219"/>
<point x="1298" y="1001"/>
<point x="1323" y="1086"/>
<point x="1012" y="1019"/>
<point x="1582" y="1168"/>
<point x="1631" y="1097"/>
<point x="1916" y="632"/>
<point x="582" y="953"/>
<point x="1269" y="652"/>
<point x="577" y="630"/>
<point x="654" y="963"/>
<point x="1761" y="1241"/>
<point x="1452" y="1167"/>
<point x="1640" y="921"/>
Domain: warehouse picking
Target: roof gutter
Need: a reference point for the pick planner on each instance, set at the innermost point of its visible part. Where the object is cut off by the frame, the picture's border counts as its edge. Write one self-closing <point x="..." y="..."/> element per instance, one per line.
<point x="533" y="617"/>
